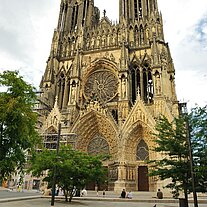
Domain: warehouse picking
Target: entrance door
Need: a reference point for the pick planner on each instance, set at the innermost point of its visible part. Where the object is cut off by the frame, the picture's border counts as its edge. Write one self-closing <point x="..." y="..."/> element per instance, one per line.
<point x="143" y="180"/>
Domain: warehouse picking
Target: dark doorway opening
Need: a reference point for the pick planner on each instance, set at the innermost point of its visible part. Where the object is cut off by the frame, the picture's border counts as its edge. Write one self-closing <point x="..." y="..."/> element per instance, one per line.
<point x="143" y="179"/>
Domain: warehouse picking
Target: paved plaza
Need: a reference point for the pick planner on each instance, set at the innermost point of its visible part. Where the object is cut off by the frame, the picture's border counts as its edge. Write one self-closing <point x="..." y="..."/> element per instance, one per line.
<point x="140" y="199"/>
<point x="14" y="194"/>
<point x="84" y="203"/>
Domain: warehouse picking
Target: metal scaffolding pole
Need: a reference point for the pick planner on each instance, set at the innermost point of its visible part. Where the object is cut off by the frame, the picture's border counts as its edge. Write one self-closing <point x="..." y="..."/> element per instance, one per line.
<point x="184" y="113"/>
<point x="55" y="168"/>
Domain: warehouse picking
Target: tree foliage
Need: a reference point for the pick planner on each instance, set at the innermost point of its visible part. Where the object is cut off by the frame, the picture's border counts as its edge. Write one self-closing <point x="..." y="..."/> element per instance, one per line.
<point x="17" y="122"/>
<point x="198" y="132"/>
<point x="74" y="169"/>
<point x="172" y="142"/>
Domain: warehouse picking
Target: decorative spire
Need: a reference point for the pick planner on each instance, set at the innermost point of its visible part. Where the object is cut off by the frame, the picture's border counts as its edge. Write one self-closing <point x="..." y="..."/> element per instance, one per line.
<point x="104" y="13"/>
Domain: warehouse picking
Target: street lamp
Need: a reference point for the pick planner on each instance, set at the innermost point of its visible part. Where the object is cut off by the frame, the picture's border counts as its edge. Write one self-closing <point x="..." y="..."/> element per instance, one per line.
<point x="183" y="112"/>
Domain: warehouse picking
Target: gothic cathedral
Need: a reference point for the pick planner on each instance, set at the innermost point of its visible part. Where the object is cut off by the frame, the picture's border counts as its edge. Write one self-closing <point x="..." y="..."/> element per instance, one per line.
<point x="106" y="83"/>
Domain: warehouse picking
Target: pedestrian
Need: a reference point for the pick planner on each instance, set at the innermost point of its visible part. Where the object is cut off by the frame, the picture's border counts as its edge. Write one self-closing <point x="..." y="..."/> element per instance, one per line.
<point x="57" y="190"/>
<point x="159" y="194"/>
<point x="104" y="193"/>
<point x="129" y="194"/>
<point x="18" y="187"/>
<point x="97" y="194"/>
<point x="123" y="194"/>
<point x="84" y="192"/>
<point x="74" y="191"/>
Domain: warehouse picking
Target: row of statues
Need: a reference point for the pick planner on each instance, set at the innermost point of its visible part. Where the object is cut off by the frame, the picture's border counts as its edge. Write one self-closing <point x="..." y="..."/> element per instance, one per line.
<point x="93" y="42"/>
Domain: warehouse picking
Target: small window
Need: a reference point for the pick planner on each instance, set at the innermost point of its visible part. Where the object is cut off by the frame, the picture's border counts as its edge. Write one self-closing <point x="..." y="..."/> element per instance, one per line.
<point x="142" y="151"/>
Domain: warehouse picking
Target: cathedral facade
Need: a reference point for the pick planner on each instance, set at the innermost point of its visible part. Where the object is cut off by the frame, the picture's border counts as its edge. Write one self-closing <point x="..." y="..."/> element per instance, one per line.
<point x="106" y="84"/>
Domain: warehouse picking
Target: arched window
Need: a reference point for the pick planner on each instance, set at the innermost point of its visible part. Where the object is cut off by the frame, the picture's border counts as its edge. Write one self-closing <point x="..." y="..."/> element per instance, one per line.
<point x="84" y="12"/>
<point x="98" y="146"/>
<point x="135" y="10"/>
<point x="135" y="82"/>
<point x="150" y="90"/>
<point x="142" y="82"/>
<point x="114" y="113"/>
<point x="136" y="35"/>
<point x="142" y="151"/>
<point x="147" y="84"/>
<point x="141" y="33"/>
<point x="61" y="89"/>
<point x="140" y="8"/>
<point x="74" y="16"/>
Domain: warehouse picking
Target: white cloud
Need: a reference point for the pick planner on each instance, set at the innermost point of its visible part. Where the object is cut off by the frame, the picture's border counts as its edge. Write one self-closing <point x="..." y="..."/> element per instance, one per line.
<point x="185" y="30"/>
<point x="26" y="29"/>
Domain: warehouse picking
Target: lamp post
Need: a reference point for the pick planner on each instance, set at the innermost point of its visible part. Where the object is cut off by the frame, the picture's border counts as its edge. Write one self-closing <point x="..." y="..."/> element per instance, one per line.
<point x="183" y="111"/>
<point x="55" y="168"/>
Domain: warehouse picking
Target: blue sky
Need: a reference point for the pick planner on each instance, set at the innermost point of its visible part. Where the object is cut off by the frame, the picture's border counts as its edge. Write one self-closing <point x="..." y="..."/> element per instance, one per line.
<point x="26" y="29"/>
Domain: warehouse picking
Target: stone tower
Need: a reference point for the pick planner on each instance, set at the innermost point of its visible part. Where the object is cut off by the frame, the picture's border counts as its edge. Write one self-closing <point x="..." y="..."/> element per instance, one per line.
<point x="106" y="83"/>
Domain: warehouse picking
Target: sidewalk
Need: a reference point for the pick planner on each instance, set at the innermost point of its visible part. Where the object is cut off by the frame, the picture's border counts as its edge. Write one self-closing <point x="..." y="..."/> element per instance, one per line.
<point x="111" y="196"/>
<point x="141" y="197"/>
<point x="7" y="195"/>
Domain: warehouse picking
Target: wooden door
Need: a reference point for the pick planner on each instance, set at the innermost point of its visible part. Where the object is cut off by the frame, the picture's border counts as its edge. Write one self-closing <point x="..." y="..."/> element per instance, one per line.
<point x="143" y="179"/>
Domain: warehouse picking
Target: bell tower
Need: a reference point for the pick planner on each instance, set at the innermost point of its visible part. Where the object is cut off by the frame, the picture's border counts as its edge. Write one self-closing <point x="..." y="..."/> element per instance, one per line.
<point x="75" y="14"/>
<point x="133" y="10"/>
<point x="107" y="83"/>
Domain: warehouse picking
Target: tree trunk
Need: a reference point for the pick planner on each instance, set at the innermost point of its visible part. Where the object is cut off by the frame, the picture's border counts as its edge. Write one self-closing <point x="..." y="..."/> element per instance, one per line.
<point x="71" y="196"/>
<point x="66" y="195"/>
<point x="186" y="196"/>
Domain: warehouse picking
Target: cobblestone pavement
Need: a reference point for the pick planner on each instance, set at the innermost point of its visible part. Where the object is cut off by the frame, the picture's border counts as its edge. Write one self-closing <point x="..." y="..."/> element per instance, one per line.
<point x="84" y="203"/>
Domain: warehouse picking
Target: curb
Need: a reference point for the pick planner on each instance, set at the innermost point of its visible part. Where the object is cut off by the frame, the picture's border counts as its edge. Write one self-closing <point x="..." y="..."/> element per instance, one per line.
<point x="126" y="200"/>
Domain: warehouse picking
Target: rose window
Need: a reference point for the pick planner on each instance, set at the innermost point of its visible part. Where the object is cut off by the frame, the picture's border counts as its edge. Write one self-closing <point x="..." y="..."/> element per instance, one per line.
<point x="101" y="86"/>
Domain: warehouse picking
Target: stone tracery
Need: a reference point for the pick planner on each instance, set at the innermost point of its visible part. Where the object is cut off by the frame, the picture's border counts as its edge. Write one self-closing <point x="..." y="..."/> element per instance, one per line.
<point x="98" y="146"/>
<point x="101" y="86"/>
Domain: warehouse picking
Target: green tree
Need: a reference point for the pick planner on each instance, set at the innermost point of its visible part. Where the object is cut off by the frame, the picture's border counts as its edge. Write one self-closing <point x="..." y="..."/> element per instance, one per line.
<point x="172" y="142"/>
<point x="174" y="164"/>
<point x="74" y="169"/>
<point x="197" y="120"/>
<point x="17" y="122"/>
